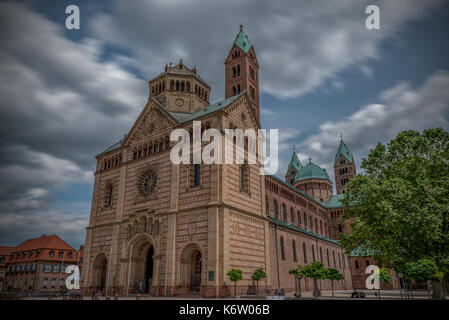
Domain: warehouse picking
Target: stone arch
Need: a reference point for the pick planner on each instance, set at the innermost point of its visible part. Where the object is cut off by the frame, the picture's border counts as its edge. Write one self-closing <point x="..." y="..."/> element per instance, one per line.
<point x="142" y="264"/>
<point x="191" y="269"/>
<point x="100" y="269"/>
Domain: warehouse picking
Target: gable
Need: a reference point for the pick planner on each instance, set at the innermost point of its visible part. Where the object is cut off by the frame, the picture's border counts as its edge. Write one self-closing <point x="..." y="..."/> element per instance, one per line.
<point x="242" y="105"/>
<point x="154" y="120"/>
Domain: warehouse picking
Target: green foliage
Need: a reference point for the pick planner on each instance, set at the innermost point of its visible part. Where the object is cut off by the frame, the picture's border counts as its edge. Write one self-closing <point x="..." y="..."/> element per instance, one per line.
<point x="399" y="207"/>
<point x="333" y="274"/>
<point x="384" y="275"/>
<point x="315" y="270"/>
<point x="235" y="275"/>
<point x="422" y="270"/>
<point x="258" y="274"/>
<point x="298" y="272"/>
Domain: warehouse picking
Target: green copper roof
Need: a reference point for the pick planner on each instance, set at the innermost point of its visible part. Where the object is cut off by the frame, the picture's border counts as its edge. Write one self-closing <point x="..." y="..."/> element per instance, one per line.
<point x="113" y="147"/>
<point x="344" y="151"/>
<point x="294" y="161"/>
<point x="242" y="41"/>
<point x="334" y="201"/>
<point x="311" y="171"/>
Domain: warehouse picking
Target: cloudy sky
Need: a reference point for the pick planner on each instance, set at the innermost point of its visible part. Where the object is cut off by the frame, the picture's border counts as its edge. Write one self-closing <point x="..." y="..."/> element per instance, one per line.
<point x="66" y="95"/>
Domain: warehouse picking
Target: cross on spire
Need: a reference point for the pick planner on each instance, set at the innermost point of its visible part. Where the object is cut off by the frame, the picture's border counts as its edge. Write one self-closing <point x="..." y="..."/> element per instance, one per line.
<point x="294" y="147"/>
<point x="341" y="136"/>
<point x="310" y="159"/>
<point x="241" y="27"/>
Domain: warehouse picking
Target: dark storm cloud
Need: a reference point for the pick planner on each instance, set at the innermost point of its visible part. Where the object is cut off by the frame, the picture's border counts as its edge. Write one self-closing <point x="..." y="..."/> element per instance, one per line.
<point x="61" y="101"/>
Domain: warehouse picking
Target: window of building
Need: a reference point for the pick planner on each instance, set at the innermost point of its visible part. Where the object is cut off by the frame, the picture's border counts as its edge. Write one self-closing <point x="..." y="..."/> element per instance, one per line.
<point x="267" y="205"/>
<point x="356" y="264"/>
<point x="321" y="254"/>
<point x="61" y="254"/>
<point x="53" y="282"/>
<point x="284" y="213"/>
<point x="45" y="282"/>
<point x="328" y="260"/>
<point x="304" y="249"/>
<point x="294" y="250"/>
<point x="52" y="254"/>
<point x="108" y="198"/>
<point x="367" y="263"/>
<point x="313" y="252"/>
<point x="299" y="219"/>
<point x="70" y="255"/>
<point x="282" y="248"/>
<point x="333" y="255"/>
<point x="196" y="175"/>
<point x="244" y="178"/>
<point x="292" y="218"/>
<point x="339" y="260"/>
<point x="275" y="208"/>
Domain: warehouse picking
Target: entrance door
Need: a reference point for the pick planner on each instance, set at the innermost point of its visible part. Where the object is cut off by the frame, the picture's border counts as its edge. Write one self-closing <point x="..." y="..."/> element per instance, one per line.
<point x="149" y="269"/>
<point x="195" y="280"/>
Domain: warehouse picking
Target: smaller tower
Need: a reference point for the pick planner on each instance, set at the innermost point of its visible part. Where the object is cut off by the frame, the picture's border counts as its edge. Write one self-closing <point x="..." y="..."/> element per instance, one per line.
<point x="344" y="167"/>
<point x="293" y="168"/>
<point x="242" y="71"/>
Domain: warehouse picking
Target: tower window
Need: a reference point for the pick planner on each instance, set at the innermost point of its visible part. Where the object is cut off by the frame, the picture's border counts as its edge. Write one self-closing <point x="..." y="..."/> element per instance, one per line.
<point x="196" y="175"/>
<point x="294" y="250"/>
<point x="244" y="178"/>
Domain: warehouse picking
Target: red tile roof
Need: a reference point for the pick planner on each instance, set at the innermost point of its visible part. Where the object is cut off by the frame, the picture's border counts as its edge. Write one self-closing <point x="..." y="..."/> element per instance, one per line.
<point x="43" y="242"/>
<point x="5" y="251"/>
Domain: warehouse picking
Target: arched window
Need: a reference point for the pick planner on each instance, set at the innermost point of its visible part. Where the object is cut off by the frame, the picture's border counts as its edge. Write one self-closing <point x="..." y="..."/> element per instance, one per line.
<point x="177" y="85"/>
<point x="267" y="205"/>
<point x="234" y="91"/>
<point x="321" y="227"/>
<point x="304" y="249"/>
<point x="196" y="175"/>
<point x="367" y="263"/>
<point x="292" y="218"/>
<point x="234" y="72"/>
<point x="275" y="208"/>
<point x="305" y="221"/>
<point x="282" y="248"/>
<point x="316" y="225"/>
<point x="188" y="86"/>
<point x="244" y="178"/>
<point x="60" y="254"/>
<point x="333" y="255"/>
<point x="108" y="196"/>
<point x="313" y="252"/>
<point x="284" y="213"/>
<point x="321" y="254"/>
<point x="339" y="260"/>
<point x="356" y="264"/>
<point x="52" y="254"/>
<point x="340" y="229"/>
<point x="328" y="261"/>
<point x="299" y="219"/>
<point x="294" y="250"/>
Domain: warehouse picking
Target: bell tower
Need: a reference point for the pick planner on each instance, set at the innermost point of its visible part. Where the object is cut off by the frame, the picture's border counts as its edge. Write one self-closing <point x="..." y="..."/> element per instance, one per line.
<point x="242" y="71"/>
<point x="344" y="167"/>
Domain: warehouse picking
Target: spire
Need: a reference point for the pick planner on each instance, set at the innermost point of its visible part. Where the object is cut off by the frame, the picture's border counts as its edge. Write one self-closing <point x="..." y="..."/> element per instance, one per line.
<point x="294" y="161"/>
<point x="242" y="41"/>
<point x="344" y="151"/>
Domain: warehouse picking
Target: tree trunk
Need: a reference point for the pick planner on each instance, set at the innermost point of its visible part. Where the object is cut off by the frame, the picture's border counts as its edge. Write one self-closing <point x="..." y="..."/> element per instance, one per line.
<point x="299" y="287"/>
<point x="235" y="289"/>
<point x="257" y="287"/>
<point x="437" y="293"/>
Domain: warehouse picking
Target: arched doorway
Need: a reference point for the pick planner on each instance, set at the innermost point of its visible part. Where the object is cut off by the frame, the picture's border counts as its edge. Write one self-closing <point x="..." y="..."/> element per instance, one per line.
<point x="142" y="266"/>
<point x="195" y="282"/>
<point x="149" y="269"/>
<point x="100" y="272"/>
<point x="191" y="269"/>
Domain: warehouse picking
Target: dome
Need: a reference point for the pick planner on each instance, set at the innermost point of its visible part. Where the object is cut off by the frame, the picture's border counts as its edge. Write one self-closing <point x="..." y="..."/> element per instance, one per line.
<point x="311" y="171"/>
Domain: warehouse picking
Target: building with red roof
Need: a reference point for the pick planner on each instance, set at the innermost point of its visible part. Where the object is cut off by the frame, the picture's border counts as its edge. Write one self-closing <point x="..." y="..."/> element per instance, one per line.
<point x="38" y="265"/>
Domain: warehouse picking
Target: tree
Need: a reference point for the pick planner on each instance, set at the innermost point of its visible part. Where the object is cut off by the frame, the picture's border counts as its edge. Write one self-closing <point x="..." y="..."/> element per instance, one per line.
<point x="235" y="275"/>
<point x="384" y="276"/>
<point x="257" y="275"/>
<point x="315" y="271"/>
<point x="423" y="270"/>
<point x="399" y="207"/>
<point x="333" y="274"/>
<point x="299" y="274"/>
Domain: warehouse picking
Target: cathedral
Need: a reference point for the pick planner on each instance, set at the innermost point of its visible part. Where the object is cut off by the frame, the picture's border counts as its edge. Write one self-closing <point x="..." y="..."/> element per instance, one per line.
<point x="174" y="230"/>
